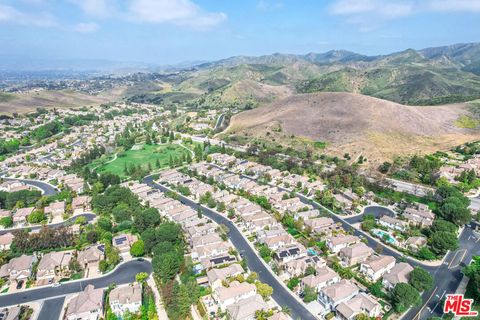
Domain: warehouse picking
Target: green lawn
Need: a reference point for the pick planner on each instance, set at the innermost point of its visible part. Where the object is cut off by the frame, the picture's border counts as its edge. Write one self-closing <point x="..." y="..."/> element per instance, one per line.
<point x="148" y="154"/>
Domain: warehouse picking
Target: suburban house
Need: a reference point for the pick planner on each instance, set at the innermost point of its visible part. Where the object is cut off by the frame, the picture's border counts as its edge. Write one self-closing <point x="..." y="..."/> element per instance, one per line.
<point x="420" y="216"/>
<point x="123" y="242"/>
<point x="6" y="240"/>
<point x="361" y="304"/>
<point x="336" y="243"/>
<point x="217" y="276"/>
<point x="87" y="305"/>
<point x="398" y="274"/>
<point x="415" y="243"/>
<point x="126" y="298"/>
<point x="18" y="269"/>
<point x="324" y="277"/>
<point x="245" y="309"/>
<point x="289" y="253"/>
<point x="54" y="266"/>
<point x="357" y="253"/>
<point x="332" y="295"/>
<point x="217" y="260"/>
<point x="20" y="216"/>
<point x="234" y="293"/>
<point x="55" y="209"/>
<point x="305" y="215"/>
<point x="200" y="241"/>
<point x="5" y="214"/>
<point x="392" y="223"/>
<point x="81" y="204"/>
<point x="320" y="225"/>
<point x="298" y="267"/>
<point x="376" y="266"/>
<point x="210" y="250"/>
<point x="90" y="258"/>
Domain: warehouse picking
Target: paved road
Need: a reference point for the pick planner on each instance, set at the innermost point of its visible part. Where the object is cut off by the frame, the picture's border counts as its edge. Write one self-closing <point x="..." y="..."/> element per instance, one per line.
<point x="446" y="277"/>
<point x="280" y="294"/>
<point x="376" y="211"/>
<point x="47" y="189"/>
<point x="51" y="309"/>
<point x="475" y="203"/>
<point x="123" y="274"/>
<point x="219" y="121"/>
<point x="88" y="215"/>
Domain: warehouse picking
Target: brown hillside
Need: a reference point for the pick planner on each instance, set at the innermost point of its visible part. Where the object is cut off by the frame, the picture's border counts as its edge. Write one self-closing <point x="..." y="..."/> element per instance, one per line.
<point x="357" y="124"/>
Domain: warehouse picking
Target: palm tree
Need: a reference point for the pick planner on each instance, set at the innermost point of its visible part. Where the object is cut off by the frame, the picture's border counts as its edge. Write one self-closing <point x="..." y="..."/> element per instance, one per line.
<point x="286" y="310"/>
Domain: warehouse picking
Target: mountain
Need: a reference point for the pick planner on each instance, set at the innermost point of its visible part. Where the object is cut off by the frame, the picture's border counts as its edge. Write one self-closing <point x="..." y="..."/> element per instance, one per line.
<point x="354" y="124"/>
<point x="414" y="77"/>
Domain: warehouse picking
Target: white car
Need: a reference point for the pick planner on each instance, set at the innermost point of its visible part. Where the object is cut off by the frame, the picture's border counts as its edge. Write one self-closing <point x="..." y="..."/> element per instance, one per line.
<point x="56" y="284"/>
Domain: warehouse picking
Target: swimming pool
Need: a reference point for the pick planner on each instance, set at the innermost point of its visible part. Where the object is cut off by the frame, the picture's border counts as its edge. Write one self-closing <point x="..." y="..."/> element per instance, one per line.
<point x="385" y="235"/>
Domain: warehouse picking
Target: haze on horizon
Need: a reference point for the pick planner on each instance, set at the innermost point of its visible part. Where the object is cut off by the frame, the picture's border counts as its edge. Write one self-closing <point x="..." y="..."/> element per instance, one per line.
<point x="164" y="32"/>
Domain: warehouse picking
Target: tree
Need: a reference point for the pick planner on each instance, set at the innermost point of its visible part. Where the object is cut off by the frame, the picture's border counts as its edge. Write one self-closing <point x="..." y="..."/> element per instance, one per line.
<point x="425" y="253"/>
<point x="141" y="277"/>
<point x="472" y="271"/>
<point x="36" y="217"/>
<point x="137" y="249"/>
<point x="166" y="265"/>
<point x="443" y="241"/>
<point x="264" y="290"/>
<point x="6" y="222"/>
<point x="443" y="225"/>
<point x="148" y="218"/>
<point x="252" y="277"/>
<point x="309" y="294"/>
<point x="81" y="220"/>
<point x="404" y="296"/>
<point x="420" y="279"/>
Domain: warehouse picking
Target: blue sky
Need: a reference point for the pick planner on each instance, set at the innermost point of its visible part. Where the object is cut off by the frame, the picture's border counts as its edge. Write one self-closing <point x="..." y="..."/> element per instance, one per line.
<point x="172" y="31"/>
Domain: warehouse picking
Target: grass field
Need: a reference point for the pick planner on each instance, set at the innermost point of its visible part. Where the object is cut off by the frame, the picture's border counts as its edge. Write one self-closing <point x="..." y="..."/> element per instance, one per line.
<point x="147" y="154"/>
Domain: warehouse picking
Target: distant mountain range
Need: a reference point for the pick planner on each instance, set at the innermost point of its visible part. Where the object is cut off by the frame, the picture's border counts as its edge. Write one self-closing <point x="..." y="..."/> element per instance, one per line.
<point x="428" y="76"/>
<point x="417" y="77"/>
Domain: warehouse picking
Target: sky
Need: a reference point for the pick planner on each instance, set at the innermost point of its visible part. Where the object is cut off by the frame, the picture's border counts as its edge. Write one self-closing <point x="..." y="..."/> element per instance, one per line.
<point x="165" y="32"/>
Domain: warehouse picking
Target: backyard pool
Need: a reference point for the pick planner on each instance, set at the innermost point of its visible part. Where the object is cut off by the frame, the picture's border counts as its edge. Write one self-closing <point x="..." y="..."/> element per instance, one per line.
<point x="385" y="235"/>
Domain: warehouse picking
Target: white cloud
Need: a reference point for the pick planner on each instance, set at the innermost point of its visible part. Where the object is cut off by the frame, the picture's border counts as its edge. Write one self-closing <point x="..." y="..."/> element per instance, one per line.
<point x="86" y="27"/>
<point x="369" y="14"/>
<point x="454" y="5"/>
<point x="179" y="12"/>
<point x="95" y="8"/>
<point x="9" y="14"/>
<point x="379" y="8"/>
<point x="266" y="5"/>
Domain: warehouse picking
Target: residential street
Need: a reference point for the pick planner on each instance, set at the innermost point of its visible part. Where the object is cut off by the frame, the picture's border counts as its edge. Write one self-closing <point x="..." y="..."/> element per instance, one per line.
<point x="88" y="215"/>
<point x="123" y="274"/>
<point x="47" y="189"/>
<point x="280" y="294"/>
<point x="51" y="309"/>
<point x="446" y="276"/>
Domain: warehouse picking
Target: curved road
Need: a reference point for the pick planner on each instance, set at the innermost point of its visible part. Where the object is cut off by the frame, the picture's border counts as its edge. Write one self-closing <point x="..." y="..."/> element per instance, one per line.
<point x="376" y="210"/>
<point x="88" y="215"/>
<point x="281" y="295"/>
<point x="125" y="273"/>
<point x="47" y="189"/>
<point x="447" y="276"/>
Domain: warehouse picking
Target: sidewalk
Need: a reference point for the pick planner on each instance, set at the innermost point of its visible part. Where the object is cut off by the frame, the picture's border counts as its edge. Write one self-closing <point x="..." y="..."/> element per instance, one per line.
<point x="161" y="312"/>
